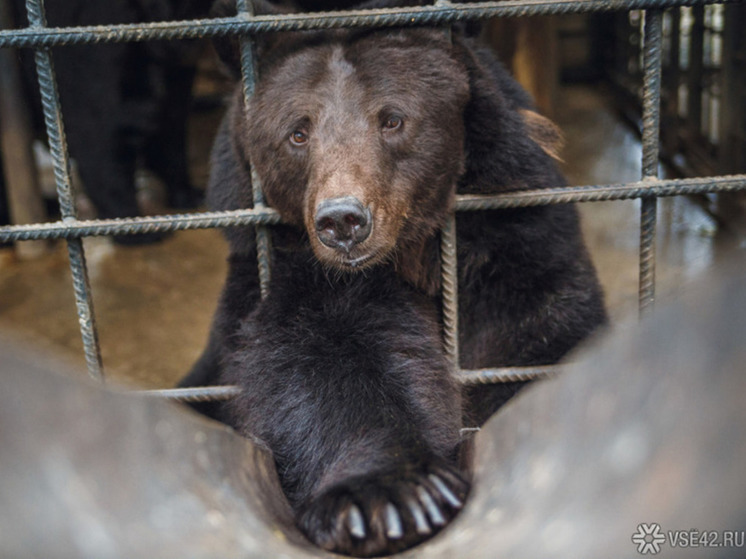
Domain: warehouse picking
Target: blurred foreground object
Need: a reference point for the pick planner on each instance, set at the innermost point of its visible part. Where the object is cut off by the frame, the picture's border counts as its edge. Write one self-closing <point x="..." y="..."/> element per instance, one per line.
<point x="648" y="428"/>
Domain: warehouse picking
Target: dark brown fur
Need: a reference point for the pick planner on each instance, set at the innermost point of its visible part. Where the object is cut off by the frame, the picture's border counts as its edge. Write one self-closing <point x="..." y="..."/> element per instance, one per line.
<point x="344" y="374"/>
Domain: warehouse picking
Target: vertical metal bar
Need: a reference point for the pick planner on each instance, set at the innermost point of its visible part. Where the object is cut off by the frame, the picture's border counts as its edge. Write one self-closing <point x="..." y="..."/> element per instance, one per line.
<point x="58" y="147"/>
<point x="449" y="269"/>
<point x="650" y="145"/>
<point x="248" y="75"/>
<point x="449" y="280"/>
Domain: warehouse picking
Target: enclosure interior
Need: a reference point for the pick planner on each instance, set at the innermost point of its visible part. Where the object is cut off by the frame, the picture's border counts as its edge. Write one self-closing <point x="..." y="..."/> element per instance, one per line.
<point x="651" y="101"/>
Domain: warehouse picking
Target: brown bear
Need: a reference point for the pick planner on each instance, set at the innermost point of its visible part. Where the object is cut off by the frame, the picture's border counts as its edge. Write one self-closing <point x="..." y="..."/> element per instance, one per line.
<point x="361" y="139"/>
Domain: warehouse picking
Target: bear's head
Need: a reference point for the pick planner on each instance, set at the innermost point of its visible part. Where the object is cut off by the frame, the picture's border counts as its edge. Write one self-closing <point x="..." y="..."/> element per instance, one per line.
<point x="361" y="137"/>
<point x="360" y="140"/>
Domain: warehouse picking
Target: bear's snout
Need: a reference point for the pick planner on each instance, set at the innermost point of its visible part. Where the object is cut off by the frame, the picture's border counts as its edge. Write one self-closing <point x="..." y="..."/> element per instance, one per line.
<point x="342" y="223"/>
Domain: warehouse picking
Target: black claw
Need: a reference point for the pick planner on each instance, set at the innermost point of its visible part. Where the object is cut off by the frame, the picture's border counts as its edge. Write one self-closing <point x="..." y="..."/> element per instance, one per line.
<point x="420" y="522"/>
<point x="431" y="507"/>
<point x="355" y="522"/>
<point x="447" y="494"/>
<point x="394" y="528"/>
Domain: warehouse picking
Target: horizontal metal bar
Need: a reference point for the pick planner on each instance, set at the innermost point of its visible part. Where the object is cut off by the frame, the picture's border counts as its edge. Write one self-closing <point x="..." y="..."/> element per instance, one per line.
<point x="439" y="14"/>
<point x="465" y="376"/>
<point x="671" y="187"/>
<point x="506" y="374"/>
<point x="597" y="193"/>
<point x="88" y="228"/>
<point x="199" y="394"/>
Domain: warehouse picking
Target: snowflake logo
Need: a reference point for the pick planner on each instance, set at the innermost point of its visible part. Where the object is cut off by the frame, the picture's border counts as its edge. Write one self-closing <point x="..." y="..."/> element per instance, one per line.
<point x="648" y="538"/>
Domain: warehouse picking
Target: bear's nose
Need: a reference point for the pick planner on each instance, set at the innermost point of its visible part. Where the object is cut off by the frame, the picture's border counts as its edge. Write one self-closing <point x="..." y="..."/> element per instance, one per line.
<point x="342" y="222"/>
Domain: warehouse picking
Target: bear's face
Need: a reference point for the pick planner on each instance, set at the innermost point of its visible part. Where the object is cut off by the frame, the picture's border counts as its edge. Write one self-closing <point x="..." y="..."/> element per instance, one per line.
<point x="360" y="141"/>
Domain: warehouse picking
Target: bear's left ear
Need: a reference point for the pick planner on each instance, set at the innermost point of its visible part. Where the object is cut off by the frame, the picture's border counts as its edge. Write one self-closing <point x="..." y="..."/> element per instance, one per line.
<point x="508" y="145"/>
<point x="544" y="132"/>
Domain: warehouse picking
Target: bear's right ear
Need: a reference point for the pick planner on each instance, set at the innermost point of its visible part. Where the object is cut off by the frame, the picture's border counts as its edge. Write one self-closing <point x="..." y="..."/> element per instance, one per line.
<point x="545" y="133"/>
<point x="228" y="48"/>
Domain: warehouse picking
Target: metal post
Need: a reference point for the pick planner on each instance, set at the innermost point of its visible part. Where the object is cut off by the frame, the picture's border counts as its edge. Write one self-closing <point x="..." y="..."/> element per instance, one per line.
<point x="449" y="275"/>
<point x="58" y="147"/>
<point x="248" y="76"/>
<point x="650" y="138"/>
<point x="449" y="268"/>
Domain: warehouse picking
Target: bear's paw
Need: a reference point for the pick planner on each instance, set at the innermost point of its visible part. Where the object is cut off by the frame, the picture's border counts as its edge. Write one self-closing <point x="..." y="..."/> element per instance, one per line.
<point x="384" y="513"/>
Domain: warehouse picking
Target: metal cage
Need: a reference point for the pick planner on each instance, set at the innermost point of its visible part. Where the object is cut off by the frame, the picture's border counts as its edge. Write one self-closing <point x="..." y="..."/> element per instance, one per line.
<point x="649" y="188"/>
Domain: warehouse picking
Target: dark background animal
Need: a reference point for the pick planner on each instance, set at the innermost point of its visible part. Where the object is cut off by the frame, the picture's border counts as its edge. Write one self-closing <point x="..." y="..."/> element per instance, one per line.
<point x="124" y="104"/>
<point x="361" y="139"/>
<point x="4" y="210"/>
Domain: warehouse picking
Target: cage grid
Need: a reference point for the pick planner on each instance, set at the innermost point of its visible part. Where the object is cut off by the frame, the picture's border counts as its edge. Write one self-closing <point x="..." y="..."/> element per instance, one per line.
<point x="40" y="37"/>
<point x="693" y="97"/>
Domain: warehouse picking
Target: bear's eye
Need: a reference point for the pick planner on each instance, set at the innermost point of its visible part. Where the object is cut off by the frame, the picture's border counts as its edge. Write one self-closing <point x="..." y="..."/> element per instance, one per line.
<point x="393" y="122"/>
<point x="298" y="138"/>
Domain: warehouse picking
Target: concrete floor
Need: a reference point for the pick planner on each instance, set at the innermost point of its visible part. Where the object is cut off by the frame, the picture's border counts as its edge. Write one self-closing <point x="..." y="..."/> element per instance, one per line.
<point x="154" y="304"/>
<point x="602" y="150"/>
